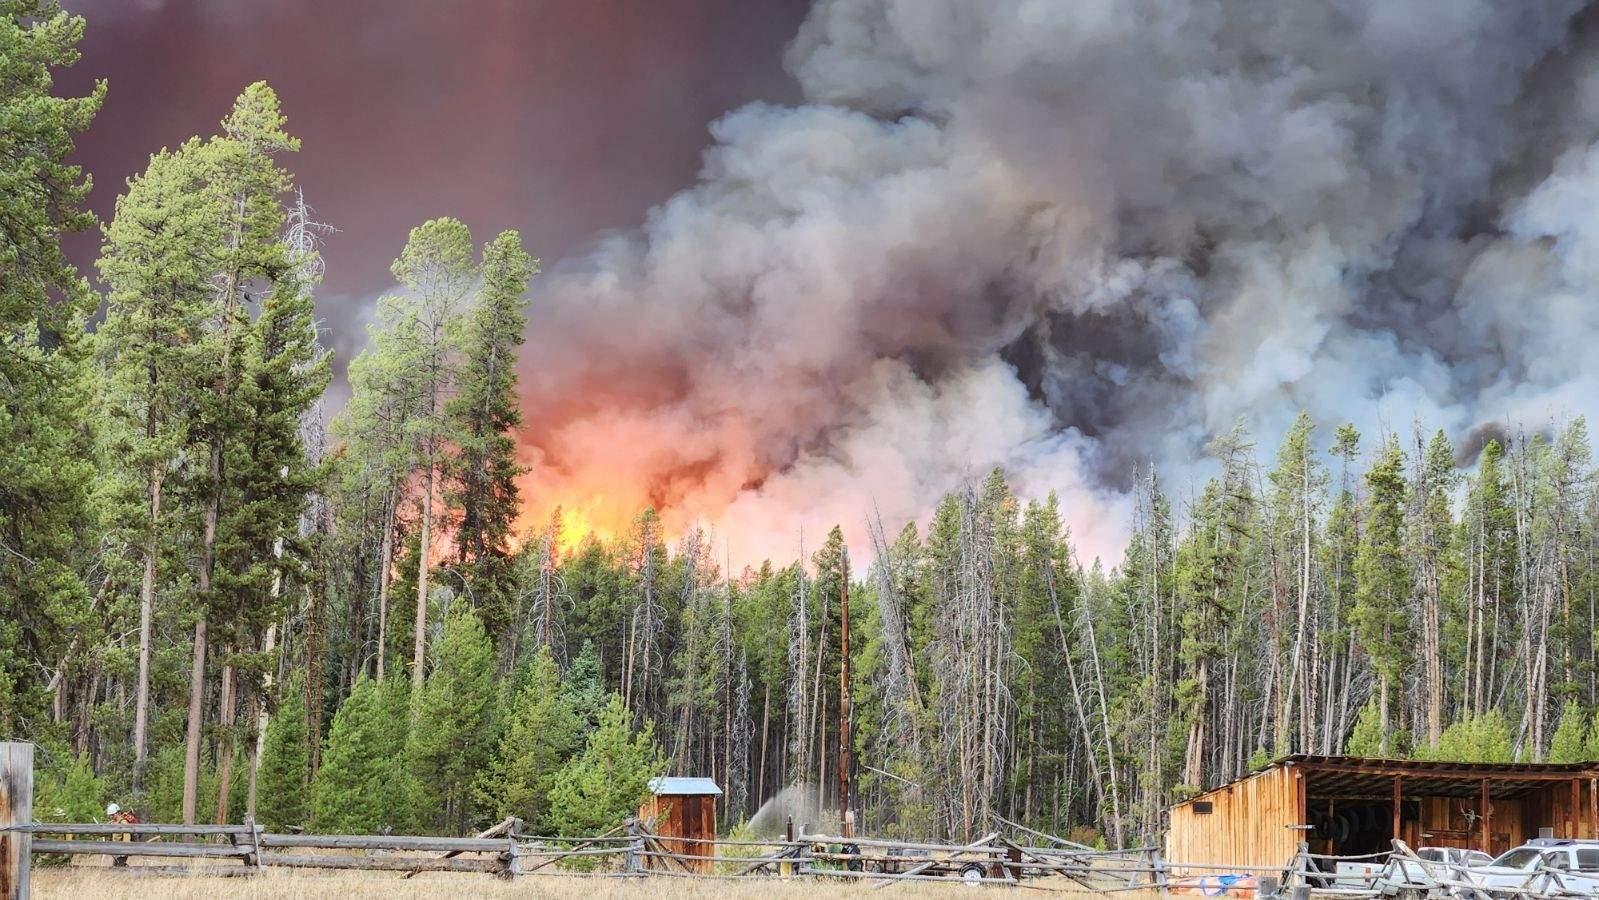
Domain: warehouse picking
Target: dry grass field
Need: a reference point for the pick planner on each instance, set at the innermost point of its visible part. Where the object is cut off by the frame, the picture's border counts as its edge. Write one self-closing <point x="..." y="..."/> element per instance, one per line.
<point x="96" y="883"/>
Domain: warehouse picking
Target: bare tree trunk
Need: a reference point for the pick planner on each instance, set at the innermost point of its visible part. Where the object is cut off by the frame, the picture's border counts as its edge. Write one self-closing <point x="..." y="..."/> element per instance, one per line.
<point x="191" y="745"/>
<point x="385" y="566"/>
<point x="1104" y="719"/>
<point x="141" y="693"/>
<point x="225" y="746"/>
<point x="766" y="721"/>
<point x="423" y="560"/>
<point x="262" y="716"/>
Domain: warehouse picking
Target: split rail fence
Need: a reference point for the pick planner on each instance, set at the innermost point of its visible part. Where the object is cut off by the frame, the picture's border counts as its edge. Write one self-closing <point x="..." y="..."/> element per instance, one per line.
<point x="632" y="849"/>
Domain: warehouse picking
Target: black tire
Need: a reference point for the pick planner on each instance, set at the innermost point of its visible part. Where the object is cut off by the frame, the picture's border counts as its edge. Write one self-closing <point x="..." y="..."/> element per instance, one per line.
<point x="854" y="865"/>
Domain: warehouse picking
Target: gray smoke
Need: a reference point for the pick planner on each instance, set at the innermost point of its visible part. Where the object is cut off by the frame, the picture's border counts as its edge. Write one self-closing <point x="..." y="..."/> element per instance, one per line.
<point x="1068" y="238"/>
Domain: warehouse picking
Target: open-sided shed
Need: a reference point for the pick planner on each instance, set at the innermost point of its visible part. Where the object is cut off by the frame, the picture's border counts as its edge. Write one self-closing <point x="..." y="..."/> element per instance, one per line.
<point x="1347" y="805"/>
<point x="684" y="812"/>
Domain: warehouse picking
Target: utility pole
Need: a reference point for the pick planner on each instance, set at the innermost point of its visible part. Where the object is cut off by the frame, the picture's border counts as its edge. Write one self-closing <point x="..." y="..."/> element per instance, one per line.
<point x="846" y="827"/>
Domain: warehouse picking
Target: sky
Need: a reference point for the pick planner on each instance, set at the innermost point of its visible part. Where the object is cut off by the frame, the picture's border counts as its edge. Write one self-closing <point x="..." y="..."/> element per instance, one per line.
<point x="561" y="119"/>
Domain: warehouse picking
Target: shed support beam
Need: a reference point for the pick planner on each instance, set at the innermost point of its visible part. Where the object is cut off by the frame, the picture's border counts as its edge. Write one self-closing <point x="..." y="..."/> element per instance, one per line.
<point x="1396" y="834"/>
<point x="1482" y="813"/>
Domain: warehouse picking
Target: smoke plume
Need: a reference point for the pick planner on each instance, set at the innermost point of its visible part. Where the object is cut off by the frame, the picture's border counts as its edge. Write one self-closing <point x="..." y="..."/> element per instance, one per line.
<point x="1069" y="239"/>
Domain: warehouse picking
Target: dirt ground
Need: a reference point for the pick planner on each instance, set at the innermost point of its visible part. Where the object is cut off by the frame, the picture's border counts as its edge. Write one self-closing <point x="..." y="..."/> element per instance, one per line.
<point x="99" y="884"/>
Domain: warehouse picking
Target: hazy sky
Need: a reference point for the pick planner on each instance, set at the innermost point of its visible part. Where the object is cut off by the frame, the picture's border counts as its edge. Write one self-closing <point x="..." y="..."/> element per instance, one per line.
<point x="561" y="118"/>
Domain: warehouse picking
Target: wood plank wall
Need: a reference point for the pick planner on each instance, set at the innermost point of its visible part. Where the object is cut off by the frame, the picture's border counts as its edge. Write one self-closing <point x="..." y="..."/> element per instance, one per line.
<point x="1251" y="822"/>
<point x="684" y="816"/>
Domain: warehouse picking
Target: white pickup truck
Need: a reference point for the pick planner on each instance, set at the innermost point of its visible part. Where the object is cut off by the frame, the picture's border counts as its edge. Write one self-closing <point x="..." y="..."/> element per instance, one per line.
<point x="1546" y="865"/>
<point x="1354" y="874"/>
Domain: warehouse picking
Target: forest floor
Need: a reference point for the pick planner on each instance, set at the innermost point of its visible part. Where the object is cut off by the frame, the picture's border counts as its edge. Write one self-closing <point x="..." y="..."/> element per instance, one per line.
<point x="101" y="884"/>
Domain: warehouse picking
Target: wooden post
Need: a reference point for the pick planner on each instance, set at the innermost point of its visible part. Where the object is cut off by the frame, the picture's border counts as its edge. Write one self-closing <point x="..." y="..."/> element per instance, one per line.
<point x="845" y="820"/>
<point x="1397" y="823"/>
<point x="16" y="808"/>
<point x="1593" y="808"/>
<point x="256" y="857"/>
<point x="635" y="848"/>
<point x="1575" y="815"/>
<point x="513" y="857"/>
<point x="1482" y="817"/>
<point x="1159" y="865"/>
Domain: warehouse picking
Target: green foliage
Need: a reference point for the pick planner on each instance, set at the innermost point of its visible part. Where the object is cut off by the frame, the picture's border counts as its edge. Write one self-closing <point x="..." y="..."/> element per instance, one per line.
<point x="451" y="731"/>
<point x="1485" y="738"/>
<point x="47" y="518"/>
<point x="363" y="784"/>
<point x="1367" y="737"/>
<point x="1570" y="741"/>
<point x="584" y="687"/>
<point x="483" y="414"/>
<point x="163" y="799"/>
<point x="283" y="781"/>
<point x="609" y="779"/>
<point x="542" y="731"/>
<point x="72" y="793"/>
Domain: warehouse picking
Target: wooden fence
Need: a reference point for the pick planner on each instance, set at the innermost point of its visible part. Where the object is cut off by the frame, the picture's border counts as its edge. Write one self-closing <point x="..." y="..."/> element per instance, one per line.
<point x="632" y="849"/>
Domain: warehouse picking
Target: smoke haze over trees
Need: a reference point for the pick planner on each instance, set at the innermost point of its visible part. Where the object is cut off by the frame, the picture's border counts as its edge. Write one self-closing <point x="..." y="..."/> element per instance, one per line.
<point x="1166" y="387"/>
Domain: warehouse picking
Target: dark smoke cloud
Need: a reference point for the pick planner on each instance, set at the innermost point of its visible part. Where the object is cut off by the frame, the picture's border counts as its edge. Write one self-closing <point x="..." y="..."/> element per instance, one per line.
<point x="1065" y="238"/>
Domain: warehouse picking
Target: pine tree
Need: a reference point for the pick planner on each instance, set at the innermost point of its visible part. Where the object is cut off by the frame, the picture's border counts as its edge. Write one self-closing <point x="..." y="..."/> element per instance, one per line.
<point x="363" y="785"/>
<point x="1570" y="741"/>
<point x="606" y="782"/>
<point x="1298" y="483"/>
<point x="483" y="415"/>
<point x="1383" y="580"/>
<point x="156" y="263"/>
<point x="1491" y="589"/>
<point x="451" y="733"/>
<point x="73" y="793"/>
<point x="48" y="521"/>
<point x="1429" y="539"/>
<point x="542" y="730"/>
<point x="241" y="168"/>
<point x="1479" y="739"/>
<point x="423" y="331"/>
<point x="284" y="776"/>
<point x="1368" y="739"/>
<point x="584" y="688"/>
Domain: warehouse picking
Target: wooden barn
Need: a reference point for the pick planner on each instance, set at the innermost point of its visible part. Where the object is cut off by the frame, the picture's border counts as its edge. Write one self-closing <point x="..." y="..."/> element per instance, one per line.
<point x="684" y="812"/>
<point x="1347" y="805"/>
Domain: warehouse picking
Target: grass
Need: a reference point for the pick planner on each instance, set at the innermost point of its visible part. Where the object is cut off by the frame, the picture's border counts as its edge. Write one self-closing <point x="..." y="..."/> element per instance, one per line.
<point x="100" y="883"/>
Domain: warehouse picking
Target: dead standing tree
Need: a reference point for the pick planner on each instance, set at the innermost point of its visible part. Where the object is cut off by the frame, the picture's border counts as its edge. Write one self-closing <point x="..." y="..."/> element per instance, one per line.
<point x="798" y="671"/>
<point x="970" y="658"/>
<point x="642" y="662"/>
<point x="900" y="736"/>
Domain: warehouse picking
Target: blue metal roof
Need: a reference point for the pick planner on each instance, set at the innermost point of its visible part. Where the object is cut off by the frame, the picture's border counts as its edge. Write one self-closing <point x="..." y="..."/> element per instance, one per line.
<point x="675" y="786"/>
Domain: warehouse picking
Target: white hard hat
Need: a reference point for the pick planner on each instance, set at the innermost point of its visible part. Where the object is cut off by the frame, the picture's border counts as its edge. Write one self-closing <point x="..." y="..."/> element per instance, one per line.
<point x="112" y="809"/>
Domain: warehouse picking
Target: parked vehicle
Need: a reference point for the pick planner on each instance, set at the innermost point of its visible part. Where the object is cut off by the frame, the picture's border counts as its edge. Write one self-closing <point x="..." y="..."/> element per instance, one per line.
<point x="1554" y="865"/>
<point x="1363" y="874"/>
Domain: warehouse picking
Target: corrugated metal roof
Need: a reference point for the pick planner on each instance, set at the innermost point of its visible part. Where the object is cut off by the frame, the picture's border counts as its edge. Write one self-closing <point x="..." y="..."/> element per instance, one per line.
<point x="676" y="786"/>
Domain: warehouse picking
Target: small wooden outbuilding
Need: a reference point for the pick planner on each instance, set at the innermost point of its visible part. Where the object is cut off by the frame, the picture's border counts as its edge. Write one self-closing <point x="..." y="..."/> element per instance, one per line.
<point x="684" y="813"/>
<point x="1348" y="805"/>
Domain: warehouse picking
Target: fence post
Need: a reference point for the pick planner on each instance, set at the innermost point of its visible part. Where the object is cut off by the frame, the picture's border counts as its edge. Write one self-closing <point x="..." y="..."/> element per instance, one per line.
<point x="513" y="857"/>
<point x="635" y="846"/>
<point x="1159" y="866"/>
<point x="16" y="808"/>
<point x="256" y="858"/>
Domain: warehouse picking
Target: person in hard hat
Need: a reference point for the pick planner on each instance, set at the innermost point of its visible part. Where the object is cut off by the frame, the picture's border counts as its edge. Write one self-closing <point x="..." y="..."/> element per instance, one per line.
<point x="120" y="816"/>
